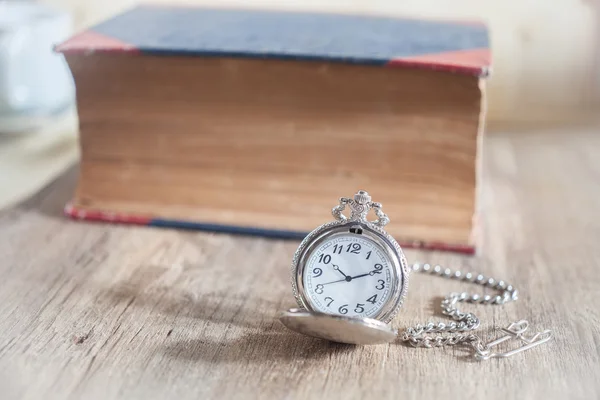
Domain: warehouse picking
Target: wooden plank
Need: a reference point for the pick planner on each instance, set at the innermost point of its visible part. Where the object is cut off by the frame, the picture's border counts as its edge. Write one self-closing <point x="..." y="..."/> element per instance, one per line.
<point x="111" y="312"/>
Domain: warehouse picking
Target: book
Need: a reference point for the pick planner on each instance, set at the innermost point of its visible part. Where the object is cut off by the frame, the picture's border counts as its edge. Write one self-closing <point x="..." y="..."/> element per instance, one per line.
<point x="258" y="121"/>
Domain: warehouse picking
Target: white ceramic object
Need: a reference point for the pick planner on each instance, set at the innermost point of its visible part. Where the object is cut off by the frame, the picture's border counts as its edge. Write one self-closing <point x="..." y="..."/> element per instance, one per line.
<point x="35" y="82"/>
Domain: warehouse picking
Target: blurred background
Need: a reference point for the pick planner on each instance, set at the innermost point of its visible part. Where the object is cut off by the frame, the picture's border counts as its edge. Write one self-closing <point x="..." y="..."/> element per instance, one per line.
<point x="546" y="69"/>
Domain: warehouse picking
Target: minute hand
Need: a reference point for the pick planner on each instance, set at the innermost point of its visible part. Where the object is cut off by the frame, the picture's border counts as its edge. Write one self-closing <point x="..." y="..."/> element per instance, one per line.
<point x="367" y="274"/>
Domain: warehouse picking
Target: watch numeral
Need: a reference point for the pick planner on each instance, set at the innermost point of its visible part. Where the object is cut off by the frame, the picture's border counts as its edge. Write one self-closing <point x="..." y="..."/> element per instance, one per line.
<point x="378" y="268"/>
<point x="343" y="309"/>
<point x="330" y="300"/>
<point x="317" y="272"/>
<point x="381" y="283"/>
<point x="368" y="255"/>
<point x="359" y="308"/>
<point x="325" y="258"/>
<point x="337" y="248"/>
<point x="319" y="289"/>
<point x="353" y="248"/>
<point x="372" y="299"/>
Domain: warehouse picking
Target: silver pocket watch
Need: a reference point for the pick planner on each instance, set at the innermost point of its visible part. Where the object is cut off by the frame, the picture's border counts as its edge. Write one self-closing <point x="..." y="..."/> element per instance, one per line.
<point x="350" y="278"/>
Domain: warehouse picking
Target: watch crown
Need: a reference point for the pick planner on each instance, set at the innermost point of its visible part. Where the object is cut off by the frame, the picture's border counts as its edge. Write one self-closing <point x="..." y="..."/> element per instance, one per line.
<point x="362" y="197"/>
<point x="360" y="205"/>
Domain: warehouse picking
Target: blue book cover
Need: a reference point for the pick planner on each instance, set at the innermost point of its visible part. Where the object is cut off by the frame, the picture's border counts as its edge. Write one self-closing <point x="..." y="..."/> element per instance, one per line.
<point x="457" y="46"/>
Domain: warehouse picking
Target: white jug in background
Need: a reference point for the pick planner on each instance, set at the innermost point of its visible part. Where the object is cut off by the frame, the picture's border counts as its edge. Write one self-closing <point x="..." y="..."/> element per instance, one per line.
<point x="35" y="82"/>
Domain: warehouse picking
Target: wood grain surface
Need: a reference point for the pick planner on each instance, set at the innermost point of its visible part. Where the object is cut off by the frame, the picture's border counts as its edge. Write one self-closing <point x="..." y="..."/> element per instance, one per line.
<point x="91" y="311"/>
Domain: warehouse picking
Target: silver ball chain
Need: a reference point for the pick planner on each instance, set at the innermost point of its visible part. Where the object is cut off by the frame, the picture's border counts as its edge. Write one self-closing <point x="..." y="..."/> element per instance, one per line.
<point x="460" y="330"/>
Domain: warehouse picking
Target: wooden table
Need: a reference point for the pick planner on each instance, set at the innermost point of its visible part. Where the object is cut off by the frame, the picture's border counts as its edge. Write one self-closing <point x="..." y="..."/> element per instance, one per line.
<point x="95" y="311"/>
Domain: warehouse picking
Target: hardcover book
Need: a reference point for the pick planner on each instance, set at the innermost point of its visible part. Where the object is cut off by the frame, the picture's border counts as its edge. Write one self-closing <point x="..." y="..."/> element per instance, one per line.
<point x="256" y="122"/>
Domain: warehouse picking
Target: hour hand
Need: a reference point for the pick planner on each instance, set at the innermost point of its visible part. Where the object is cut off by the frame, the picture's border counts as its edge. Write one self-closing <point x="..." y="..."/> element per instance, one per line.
<point x="337" y="268"/>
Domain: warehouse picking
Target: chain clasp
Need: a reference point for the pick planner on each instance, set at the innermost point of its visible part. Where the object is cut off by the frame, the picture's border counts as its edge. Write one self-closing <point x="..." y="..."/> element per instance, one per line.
<point x="515" y="330"/>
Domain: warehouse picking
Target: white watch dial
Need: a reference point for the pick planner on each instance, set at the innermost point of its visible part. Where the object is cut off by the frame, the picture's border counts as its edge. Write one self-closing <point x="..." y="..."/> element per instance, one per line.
<point x="348" y="275"/>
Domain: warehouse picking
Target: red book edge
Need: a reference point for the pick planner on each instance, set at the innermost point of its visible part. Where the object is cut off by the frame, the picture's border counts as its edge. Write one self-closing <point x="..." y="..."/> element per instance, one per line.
<point x="78" y="213"/>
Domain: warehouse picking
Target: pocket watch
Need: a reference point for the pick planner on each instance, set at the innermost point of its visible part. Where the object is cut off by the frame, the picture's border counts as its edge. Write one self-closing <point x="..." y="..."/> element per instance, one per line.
<point x="349" y="277"/>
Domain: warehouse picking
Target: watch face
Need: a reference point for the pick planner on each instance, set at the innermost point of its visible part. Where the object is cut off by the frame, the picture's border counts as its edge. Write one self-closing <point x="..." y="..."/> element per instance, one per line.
<point x="348" y="274"/>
